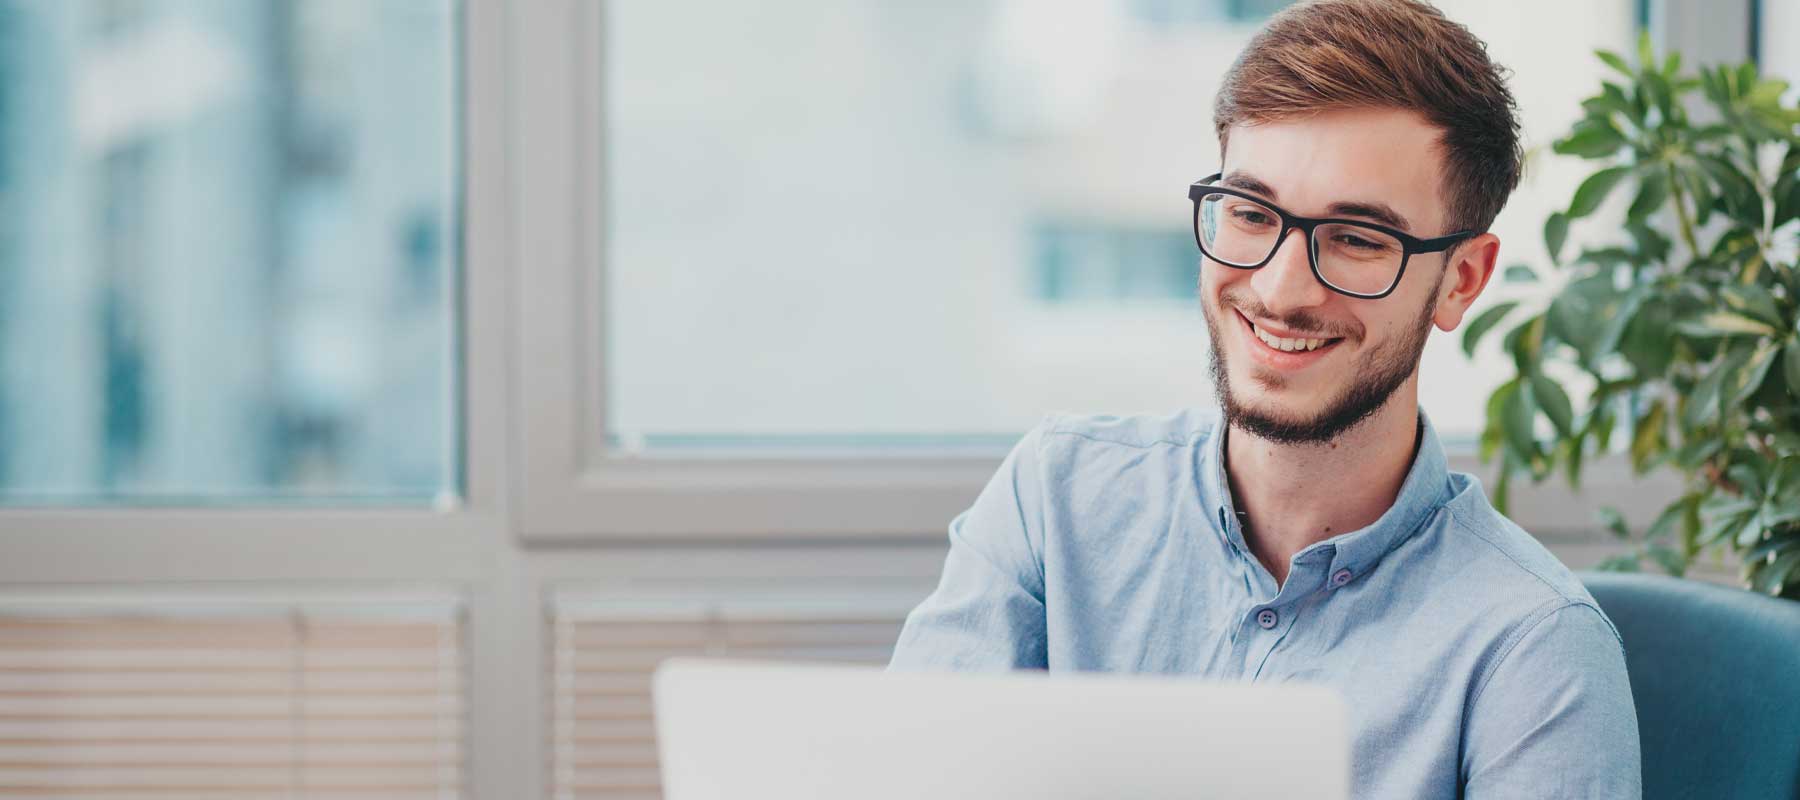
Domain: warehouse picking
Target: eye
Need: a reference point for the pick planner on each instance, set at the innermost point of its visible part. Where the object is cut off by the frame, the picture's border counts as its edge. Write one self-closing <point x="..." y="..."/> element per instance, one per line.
<point x="1357" y="242"/>
<point x="1251" y="215"/>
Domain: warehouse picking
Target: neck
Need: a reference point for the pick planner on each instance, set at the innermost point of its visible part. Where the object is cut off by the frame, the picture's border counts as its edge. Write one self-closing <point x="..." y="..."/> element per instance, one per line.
<point x="1296" y="495"/>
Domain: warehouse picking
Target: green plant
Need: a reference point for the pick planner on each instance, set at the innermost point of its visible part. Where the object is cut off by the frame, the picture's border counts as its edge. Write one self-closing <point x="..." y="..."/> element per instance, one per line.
<point x="1684" y="327"/>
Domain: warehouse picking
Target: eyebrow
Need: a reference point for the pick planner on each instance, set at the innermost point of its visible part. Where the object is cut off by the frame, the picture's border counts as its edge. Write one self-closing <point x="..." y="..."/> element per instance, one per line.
<point x="1378" y="212"/>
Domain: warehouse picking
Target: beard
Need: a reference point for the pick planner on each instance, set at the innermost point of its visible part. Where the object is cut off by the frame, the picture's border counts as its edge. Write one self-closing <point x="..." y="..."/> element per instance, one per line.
<point x="1376" y="375"/>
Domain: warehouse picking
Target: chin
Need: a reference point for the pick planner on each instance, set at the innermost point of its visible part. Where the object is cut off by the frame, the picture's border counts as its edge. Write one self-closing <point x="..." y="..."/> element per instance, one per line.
<point x="1282" y="406"/>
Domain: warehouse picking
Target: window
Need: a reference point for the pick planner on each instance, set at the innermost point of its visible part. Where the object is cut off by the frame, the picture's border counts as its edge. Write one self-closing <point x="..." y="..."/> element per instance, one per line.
<point x="228" y="251"/>
<point x="842" y="255"/>
<point x="893" y="231"/>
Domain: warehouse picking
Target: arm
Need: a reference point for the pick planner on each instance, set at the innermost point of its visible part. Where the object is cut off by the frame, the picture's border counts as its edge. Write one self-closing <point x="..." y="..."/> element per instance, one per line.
<point x="1555" y="717"/>
<point x="987" y="612"/>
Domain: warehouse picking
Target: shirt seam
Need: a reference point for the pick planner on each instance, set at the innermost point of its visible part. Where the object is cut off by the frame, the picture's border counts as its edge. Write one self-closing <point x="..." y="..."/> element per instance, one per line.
<point x="1043" y="488"/>
<point x="1560" y="594"/>
<point x="1539" y="614"/>
<point x="1565" y="596"/>
<point x="1192" y="440"/>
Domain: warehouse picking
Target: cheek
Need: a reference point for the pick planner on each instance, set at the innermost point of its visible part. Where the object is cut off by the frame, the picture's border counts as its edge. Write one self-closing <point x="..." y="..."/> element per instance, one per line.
<point x="1215" y="280"/>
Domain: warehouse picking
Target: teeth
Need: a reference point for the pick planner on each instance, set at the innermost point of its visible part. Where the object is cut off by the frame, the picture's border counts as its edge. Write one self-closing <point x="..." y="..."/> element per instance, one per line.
<point x="1287" y="345"/>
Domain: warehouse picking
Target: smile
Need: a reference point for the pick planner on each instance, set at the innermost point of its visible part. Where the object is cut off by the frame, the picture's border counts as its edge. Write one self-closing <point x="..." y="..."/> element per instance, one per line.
<point x="1283" y="352"/>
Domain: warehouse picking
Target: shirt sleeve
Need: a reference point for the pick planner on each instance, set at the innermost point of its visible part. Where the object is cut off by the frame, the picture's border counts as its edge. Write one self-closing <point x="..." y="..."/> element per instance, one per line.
<point x="987" y="612"/>
<point x="1555" y="717"/>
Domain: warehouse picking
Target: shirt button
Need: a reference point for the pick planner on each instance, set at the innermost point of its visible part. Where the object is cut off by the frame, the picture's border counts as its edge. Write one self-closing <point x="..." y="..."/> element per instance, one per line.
<point x="1340" y="578"/>
<point x="1266" y="618"/>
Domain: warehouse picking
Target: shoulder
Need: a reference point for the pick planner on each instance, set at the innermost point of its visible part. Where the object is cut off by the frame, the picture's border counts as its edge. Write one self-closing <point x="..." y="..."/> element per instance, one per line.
<point x="1094" y="461"/>
<point x="1525" y="581"/>
<point x="1185" y="428"/>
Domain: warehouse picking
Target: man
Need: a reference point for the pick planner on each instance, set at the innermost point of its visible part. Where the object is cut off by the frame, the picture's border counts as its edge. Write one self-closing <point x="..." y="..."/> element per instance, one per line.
<point x="1312" y="531"/>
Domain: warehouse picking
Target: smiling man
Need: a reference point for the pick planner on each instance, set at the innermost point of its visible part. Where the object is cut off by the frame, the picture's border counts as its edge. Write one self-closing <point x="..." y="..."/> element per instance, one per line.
<point x="1310" y="529"/>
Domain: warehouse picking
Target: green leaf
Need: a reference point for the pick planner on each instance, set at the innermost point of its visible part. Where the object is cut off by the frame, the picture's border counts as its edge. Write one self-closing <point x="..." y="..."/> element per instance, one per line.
<point x="1753" y="301"/>
<point x="1556" y="231"/>
<point x="1699" y="189"/>
<point x="1649" y="437"/>
<point x="1766" y="93"/>
<point x="1516" y="418"/>
<point x="1616" y="61"/>
<point x="1644" y="53"/>
<point x="1672" y="515"/>
<point x="1503" y="484"/>
<point x="1584" y="313"/>
<point x="1602" y="420"/>
<point x="1593" y="191"/>
<point x="1614" y="521"/>
<point x="1555" y="403"/>
<point x="1777" y="514"/>
<point x="1697" y="451"/>
<point x="1657" y="88"/>
<point x="1484" y="322"/>
<point x="1653" y="191"/>
<point x="1725" y="323"/>
<point x="1625" y="563"/>
<point x="1751" y="531"/>
<point x="1774" y="576"/>
<point x="1494" y="431"/>
<point x="1739" y="194"/>
<point x="1610" y="100"/>
<point x="1792" y="366"/>
<point x="1572" y="458"/>
<point x="1669" y="559"/>
<point x="1651" y="244"/>
<point x="1746" y="379"/>
<point x="1701" y="406"/>
<point x="1526" y="343"/>
<point x="1620" y="318"/>
<point x="1519" y="273"/>
<point x="1591" y="138"/>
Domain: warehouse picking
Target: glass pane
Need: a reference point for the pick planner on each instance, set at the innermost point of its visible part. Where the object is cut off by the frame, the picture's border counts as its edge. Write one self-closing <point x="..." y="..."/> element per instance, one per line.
<point x="228" y="250"/>
<point x="919" y="223"/>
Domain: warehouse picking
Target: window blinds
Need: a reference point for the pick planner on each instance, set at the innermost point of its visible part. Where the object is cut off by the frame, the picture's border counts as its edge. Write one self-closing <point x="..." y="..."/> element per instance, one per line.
<point x="604" y="649"/>
<point x="338" y="700"/>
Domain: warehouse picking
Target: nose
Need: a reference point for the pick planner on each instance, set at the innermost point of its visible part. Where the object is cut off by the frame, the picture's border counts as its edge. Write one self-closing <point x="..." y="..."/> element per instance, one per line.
<point x="1286" y="283"/>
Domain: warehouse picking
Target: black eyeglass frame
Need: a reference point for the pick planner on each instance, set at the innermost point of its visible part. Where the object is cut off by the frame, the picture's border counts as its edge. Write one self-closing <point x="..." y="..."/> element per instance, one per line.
<point x="1409" y="244"/>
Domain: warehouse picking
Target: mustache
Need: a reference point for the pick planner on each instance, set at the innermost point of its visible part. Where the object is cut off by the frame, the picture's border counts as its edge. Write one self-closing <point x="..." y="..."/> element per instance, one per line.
<point x="1300" y="321"/>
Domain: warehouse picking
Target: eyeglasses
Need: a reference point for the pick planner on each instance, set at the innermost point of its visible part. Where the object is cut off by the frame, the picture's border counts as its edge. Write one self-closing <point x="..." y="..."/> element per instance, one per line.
<point x="1360" y="259"/>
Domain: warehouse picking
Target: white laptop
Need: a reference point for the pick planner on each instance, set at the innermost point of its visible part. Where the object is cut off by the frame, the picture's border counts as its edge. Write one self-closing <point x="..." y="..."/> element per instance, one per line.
<point x="753" y="730"/>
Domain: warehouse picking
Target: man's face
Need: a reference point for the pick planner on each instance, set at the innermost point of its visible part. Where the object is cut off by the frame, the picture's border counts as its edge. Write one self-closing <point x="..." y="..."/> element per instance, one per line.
<point x="1359" y="164"/>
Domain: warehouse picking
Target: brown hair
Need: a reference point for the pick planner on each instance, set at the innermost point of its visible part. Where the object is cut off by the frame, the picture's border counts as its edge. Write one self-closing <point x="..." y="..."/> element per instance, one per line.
<point x="1400" y="54"/>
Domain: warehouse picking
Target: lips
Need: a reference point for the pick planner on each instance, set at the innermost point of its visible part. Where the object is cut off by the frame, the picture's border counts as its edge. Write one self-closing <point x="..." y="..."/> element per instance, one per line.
<point x="1287" y="351"/>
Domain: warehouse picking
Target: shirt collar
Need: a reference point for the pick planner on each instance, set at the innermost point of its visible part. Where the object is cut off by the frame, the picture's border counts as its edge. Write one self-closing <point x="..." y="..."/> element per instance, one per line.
<point x="1426" y="488"/>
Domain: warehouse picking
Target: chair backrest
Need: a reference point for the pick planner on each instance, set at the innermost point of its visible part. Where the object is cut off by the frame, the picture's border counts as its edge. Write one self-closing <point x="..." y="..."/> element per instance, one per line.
<point x="1715" y="673"/>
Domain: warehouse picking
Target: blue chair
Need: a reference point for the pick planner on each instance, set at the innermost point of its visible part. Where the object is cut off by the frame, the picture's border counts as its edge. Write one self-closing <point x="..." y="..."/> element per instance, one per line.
<point x="1715" y="674"/>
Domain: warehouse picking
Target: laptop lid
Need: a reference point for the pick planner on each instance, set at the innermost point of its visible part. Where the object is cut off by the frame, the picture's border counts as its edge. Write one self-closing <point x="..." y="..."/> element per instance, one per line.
<point x="745" y="729"/>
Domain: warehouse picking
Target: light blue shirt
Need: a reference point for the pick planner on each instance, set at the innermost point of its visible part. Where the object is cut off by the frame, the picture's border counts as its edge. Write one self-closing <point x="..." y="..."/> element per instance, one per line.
<point x="1474" y="663"/>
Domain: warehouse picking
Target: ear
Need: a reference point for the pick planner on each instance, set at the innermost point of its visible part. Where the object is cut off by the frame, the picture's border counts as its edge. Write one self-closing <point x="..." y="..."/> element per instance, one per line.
<point x="1471" y="265"/>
